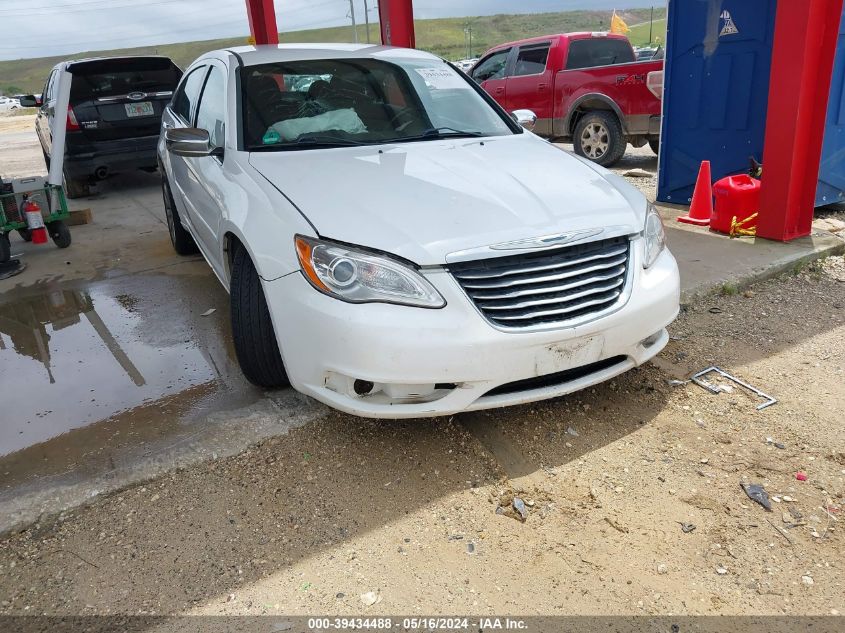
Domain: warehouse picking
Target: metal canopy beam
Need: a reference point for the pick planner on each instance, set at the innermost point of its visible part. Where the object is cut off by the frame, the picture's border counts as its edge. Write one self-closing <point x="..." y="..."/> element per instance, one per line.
<point x="262" y="22"/>
<point x="397" y="23"/>
<point x="802" y="64"/>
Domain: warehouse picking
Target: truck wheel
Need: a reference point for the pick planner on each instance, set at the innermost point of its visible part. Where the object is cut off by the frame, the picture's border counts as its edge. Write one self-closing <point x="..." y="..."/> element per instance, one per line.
<point x="598" y="137"/>
<point x="654" y="144"/>
<point x="252" y="330"/>
<point x="182" y="241"/>
<point x="60" y="233"/>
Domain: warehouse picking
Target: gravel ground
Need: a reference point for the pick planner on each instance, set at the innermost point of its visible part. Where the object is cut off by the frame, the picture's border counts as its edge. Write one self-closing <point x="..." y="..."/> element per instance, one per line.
<point x="631" y="490"/>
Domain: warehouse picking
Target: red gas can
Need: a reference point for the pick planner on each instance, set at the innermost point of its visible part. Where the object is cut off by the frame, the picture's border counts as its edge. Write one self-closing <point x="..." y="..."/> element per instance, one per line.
<point x="736" y="197"/>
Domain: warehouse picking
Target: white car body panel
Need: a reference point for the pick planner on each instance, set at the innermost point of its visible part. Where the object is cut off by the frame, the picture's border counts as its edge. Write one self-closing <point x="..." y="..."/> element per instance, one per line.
<point x="402" y="198"/>
<point x="429" y="203"/>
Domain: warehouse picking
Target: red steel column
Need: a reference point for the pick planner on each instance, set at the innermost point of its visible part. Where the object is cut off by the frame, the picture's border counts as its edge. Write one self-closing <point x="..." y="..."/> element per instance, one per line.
<point x="802" y="64"/>
<point x="262" y="21"/>
<point x="397" y="22"/>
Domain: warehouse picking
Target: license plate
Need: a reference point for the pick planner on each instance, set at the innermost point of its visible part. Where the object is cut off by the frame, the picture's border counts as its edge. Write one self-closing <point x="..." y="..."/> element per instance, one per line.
<point x="142" y="108"/>
<point x="560" y="356"/>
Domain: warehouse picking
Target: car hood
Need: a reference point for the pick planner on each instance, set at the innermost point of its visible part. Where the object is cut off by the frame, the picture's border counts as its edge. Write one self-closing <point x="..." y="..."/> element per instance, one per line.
<point x="426" y="200"/>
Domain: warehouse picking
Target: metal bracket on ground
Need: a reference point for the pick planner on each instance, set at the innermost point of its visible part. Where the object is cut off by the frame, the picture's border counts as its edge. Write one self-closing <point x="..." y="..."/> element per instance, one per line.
<point x="697" y="379"/>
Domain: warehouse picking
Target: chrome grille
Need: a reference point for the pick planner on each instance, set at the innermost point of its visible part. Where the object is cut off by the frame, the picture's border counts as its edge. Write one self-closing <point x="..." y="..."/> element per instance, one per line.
<point x="549" y="287"/>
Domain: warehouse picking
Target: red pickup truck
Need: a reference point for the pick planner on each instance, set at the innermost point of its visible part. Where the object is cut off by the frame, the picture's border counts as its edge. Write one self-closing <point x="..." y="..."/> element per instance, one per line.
<point x="586" y="88"/>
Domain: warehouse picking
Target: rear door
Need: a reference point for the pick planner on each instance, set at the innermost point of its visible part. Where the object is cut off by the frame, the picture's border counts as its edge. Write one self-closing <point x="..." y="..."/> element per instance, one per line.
<point x="45" y="113"/>
<point x="121" y="98"/>
<point x="529" y="85"/>
<point x="490" y="73"/>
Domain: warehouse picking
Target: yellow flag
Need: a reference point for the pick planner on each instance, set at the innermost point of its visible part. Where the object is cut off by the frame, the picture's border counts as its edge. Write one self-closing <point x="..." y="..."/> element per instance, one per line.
<point x="617" y="25"/>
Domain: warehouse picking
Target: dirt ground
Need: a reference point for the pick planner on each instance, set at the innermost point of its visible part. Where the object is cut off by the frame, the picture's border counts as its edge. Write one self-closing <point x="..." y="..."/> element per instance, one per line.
<point x="631" y="490"/>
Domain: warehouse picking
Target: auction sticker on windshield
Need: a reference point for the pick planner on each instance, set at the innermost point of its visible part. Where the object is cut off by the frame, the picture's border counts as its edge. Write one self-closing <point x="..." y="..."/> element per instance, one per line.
<point x="143" y="108"/>
<point x="442" y="79"/>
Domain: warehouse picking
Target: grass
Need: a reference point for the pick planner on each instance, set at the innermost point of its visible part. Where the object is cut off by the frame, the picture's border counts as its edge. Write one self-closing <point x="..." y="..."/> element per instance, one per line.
<point x="444" y="37"/>
<point x="639" y="33"/>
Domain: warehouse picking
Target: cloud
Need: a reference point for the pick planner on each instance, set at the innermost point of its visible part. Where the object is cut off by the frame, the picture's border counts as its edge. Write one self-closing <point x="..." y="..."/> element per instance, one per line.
<point x="60" y="27"/>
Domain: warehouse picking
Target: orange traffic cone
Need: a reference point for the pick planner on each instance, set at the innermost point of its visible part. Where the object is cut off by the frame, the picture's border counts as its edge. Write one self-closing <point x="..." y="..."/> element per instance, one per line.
<point x="702" y="199"/>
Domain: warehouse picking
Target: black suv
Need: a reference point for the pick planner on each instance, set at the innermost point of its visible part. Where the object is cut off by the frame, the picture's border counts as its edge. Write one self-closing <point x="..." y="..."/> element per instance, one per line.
<point x="113" y="118"/>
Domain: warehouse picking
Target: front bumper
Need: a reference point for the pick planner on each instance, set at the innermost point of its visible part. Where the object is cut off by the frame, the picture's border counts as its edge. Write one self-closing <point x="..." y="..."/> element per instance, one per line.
<point x="327" y="345"/>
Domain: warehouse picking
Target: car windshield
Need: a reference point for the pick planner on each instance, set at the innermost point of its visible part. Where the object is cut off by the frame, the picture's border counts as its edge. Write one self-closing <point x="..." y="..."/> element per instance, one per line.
<point x="342" y="102"/>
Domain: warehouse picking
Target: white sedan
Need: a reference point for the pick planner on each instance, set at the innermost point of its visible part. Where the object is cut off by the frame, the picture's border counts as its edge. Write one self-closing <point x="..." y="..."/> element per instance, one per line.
<point x="395" y="244"/>
<point x="8" y="104"/>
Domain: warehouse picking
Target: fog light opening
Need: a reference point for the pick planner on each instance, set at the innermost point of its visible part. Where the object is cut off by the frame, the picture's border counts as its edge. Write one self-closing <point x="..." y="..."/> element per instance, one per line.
<point x="362" y="387"/>
<point x="651" y="340"/>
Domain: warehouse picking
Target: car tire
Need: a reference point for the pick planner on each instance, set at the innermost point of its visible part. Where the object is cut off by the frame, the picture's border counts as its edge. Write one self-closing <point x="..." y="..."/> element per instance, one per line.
<point x="60" y="233"/>
<point x="252" y="329"/>
<point x="26" y="235"/>
<point x="654" y="144"/>
<point x="598" y="137"/>
<point x="5" y="248"/>
<point x="183" y="242"/>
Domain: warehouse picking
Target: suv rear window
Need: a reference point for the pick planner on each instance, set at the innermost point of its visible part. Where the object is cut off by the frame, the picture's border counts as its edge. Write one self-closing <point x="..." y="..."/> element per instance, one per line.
<point x="598" y="52"/>
<point x="112" y="77"/>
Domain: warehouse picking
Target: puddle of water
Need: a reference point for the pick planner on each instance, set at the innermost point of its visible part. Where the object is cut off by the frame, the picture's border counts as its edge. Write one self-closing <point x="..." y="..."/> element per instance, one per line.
<point x="89" y="370"/>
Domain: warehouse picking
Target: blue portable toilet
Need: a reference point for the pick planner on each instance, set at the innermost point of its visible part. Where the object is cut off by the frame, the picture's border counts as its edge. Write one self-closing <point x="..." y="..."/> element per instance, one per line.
<point x="832" y="169"/>
<point x="716" y="89"/>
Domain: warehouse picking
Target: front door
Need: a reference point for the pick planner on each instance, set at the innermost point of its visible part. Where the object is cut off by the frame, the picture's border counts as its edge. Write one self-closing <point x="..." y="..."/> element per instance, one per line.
<point x="205" y="174"/>
<point x="529" y="86"/>
<point x="490" y="73"/>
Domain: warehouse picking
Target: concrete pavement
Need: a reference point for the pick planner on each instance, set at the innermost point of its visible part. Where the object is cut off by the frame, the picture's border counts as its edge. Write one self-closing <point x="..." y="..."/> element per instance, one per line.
<point x="171" y="393"/>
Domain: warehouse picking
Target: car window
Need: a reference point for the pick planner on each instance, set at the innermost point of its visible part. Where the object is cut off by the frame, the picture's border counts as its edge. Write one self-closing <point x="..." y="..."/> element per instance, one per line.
<point x="101" y="78"/>
<point x="187" y="94"/>
<point x="598" y="52"/>
<point x="211" y="110"/>
<point x="491" y="68"/>
<point x="531" y="60"/>
<point x="360" y="101"/>
<point x="48" y="87"/>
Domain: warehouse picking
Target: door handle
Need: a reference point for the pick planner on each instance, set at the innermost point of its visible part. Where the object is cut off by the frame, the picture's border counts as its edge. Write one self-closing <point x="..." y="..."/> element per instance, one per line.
<point x="499" y="90"/>
<point x="541" y="86"/>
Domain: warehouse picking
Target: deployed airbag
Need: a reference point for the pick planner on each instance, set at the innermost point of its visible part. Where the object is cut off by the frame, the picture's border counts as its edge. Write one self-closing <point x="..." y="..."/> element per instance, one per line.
<point x="346" y="120"/>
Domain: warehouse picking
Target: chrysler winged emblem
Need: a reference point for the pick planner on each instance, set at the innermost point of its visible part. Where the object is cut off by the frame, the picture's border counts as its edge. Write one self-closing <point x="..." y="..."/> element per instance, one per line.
<point x="546" y="241"/>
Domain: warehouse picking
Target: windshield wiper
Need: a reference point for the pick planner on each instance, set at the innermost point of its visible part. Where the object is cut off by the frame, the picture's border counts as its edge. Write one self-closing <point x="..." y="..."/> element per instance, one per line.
<point x="435" y="133"/>
<point x="322" y="141"/>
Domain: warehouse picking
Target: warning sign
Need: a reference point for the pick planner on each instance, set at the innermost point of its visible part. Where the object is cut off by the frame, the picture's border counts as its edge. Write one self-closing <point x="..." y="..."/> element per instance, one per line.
<point x="728" y="26"/>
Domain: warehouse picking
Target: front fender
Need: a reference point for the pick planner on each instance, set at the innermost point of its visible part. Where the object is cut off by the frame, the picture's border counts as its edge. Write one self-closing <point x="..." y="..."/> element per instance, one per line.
<point x="263" y="221"/>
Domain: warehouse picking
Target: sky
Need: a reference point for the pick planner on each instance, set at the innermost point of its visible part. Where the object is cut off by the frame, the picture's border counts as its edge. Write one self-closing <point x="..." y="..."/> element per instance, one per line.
<point x="57" y="27"/>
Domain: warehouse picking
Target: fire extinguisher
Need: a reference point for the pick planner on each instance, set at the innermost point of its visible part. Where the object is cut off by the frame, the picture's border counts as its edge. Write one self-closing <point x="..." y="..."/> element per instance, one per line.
<point x="35" y="221"/>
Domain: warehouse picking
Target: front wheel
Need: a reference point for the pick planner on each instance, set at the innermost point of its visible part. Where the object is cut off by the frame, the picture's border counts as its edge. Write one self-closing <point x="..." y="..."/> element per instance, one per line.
<point x="252" y="329"/>
<point x="598" y="137"/>
<point x="654" y="144"/>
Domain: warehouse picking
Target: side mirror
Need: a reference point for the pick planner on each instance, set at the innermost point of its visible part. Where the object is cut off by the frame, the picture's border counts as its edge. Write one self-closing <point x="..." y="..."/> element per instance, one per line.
<point x="526" y="118"/>
<point x="30" y="101"/>
<point x="190" y="142"/>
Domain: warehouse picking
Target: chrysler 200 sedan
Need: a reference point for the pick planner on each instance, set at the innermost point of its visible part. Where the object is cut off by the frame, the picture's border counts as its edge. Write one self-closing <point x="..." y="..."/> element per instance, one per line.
<point x="397" y="245"/>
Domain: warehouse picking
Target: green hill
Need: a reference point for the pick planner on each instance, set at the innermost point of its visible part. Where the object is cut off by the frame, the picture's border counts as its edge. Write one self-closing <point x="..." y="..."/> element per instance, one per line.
<point x="444" y="37"/>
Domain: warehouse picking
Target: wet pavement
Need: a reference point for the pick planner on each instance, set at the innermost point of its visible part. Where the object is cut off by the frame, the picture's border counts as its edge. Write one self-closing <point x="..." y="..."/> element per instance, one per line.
<point x="109" y="372"/>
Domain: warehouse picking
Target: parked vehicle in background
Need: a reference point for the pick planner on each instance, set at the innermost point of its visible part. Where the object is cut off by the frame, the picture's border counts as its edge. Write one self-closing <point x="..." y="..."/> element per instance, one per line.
<point x="395" y="245"/>
<point x="586" y="88"/>
<point x="466" y="64"/>
<point x="113" y="117"/>
<point x="7" y="104"/>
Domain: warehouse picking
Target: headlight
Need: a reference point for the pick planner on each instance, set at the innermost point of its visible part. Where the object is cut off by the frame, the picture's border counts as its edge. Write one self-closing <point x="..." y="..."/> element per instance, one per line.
<point x="360" y="277"/>
<point x="653" y="235"/>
